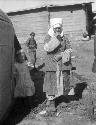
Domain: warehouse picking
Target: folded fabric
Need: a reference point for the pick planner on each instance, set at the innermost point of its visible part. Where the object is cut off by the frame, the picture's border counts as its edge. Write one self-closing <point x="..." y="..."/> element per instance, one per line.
<point x="52" y="44"/>
<point x="58" y="57"/>
<point x="66" y="55"/>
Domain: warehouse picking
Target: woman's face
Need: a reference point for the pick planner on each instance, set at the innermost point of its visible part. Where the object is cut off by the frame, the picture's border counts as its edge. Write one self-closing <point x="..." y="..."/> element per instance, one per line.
<point x="57" y="30"/>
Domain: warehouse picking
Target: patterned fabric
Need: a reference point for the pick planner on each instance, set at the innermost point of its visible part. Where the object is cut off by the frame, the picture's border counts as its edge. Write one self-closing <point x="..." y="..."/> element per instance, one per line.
<point x="24" y="84"/>
<point x="66" y="55"/>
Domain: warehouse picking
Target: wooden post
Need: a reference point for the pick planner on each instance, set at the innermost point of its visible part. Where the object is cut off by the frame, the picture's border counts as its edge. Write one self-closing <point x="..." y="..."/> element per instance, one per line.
<point x="47" y="8"/>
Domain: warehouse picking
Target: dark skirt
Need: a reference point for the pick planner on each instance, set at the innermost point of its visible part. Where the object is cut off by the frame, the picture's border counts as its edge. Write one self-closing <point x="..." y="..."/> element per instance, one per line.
<point x="50" y="82"/>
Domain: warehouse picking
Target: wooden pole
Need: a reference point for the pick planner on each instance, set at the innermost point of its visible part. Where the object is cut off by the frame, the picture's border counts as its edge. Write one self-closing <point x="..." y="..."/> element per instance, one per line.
<point x="47" y="8"/>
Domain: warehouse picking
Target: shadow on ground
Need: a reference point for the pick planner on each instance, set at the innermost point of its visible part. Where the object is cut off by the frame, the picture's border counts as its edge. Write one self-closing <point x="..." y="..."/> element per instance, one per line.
<point x="20" y="109"/>
<point x="79" y="88"/>
<point x="38" y="78"/>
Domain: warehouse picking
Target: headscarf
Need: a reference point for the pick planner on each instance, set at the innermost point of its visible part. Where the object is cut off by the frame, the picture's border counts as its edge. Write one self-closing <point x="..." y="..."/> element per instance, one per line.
<point x="55" y="22"/>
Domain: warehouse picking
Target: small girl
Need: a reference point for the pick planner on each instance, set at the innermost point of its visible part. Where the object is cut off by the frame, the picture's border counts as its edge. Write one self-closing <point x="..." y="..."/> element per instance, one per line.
<point x="24" y="84"/>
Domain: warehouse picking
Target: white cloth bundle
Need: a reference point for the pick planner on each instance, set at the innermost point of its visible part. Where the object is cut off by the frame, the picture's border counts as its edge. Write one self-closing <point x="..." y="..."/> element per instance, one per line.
<point x="52" y="44"/>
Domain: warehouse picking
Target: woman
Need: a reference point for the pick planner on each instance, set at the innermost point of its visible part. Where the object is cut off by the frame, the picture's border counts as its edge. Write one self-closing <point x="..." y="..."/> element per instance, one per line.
<point x="57" y="61"/>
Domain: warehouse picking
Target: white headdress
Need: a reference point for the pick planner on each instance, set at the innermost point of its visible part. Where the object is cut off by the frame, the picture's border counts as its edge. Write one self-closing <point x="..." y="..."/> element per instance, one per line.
<point x="55" y="22"/>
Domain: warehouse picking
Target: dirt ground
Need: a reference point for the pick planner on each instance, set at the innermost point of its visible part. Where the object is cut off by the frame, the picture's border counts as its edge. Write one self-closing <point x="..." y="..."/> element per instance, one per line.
<point x="73" y="111"/>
